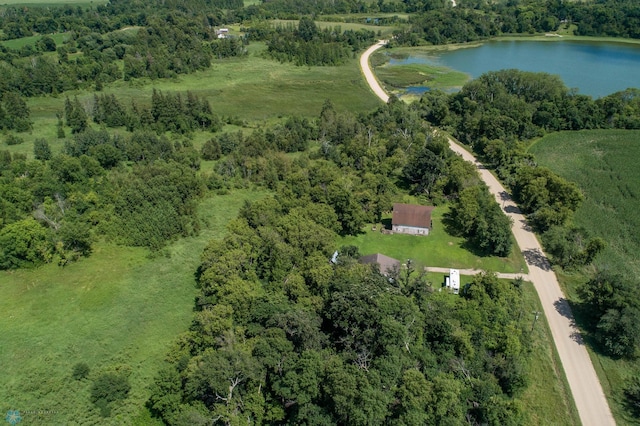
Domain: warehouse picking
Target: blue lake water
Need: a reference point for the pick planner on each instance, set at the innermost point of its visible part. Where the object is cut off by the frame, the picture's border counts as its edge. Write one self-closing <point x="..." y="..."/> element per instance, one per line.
<point x="594" y="68"/>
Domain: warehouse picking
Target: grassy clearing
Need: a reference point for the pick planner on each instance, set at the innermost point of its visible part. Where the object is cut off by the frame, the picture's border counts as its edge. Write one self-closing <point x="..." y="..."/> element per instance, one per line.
<point x="118" y="309"/>
<point x="254" y="88"/>
<point x="604" y="165"/>
<point x="17" y="43"/>
<point x="385" y="31"/>
<point x="439" y="249"/>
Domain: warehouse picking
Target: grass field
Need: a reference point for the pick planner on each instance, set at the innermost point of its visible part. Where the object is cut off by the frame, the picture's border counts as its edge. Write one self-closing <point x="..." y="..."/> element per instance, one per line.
<point x="604" y="165"/>
<point x="439" y="249"/>
<point x="117" y="310"/>
<point x="31" y="41"/>
<point x="385" y="31"/>
<point x="253" y="87"/>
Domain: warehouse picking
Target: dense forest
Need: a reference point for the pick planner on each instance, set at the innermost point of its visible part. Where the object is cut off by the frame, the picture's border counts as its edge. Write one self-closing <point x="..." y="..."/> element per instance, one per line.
<point x="280" y="334"/>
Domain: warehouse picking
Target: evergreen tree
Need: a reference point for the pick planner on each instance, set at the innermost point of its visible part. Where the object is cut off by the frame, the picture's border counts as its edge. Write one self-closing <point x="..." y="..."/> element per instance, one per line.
<point x="41" y="150"/>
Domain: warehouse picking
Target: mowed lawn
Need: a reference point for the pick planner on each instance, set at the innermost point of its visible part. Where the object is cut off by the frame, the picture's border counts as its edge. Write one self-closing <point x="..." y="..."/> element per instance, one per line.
<point x="438" y="249"/>
<point x="117" y="310"/>
<point x="604" y="164"/>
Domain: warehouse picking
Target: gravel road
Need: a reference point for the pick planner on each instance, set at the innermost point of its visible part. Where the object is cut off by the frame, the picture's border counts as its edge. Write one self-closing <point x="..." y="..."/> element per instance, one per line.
<point x="586" y="389"/>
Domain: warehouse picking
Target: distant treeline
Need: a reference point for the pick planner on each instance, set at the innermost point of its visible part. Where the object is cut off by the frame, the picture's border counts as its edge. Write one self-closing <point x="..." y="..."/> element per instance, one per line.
<point x="306" y="44"/>
<point x="162" y="39"/>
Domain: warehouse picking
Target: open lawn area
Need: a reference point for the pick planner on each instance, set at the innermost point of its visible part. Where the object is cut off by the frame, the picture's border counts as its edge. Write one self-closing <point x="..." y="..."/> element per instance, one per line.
<point x="604" y="164"/>
<point x="439" y="249"/>
<point x="547" y="400"/>
<point x="117" y="310"/>
<point x="31" y="41"/>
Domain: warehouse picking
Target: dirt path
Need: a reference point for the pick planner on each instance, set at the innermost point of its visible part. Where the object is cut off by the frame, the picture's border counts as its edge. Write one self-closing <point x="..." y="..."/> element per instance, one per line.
<point x="587" y="393"/>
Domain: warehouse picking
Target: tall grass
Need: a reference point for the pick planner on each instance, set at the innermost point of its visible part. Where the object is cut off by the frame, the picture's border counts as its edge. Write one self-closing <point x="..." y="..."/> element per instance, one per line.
<point x="117" y="310"/>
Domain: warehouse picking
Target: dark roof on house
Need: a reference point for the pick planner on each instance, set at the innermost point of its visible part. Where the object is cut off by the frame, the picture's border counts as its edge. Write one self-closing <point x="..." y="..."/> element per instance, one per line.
<point x="386" y="263"/>
<point x="412" y="215"/>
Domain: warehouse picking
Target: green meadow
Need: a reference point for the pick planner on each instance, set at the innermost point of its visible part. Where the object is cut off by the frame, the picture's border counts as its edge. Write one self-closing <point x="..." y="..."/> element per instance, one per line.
<point x="604" y="165"/>
<point x="438" y="249"/>
<point x="253" y="88"/>
<point x="59" y="38"/>
<point x="120" y="309"/>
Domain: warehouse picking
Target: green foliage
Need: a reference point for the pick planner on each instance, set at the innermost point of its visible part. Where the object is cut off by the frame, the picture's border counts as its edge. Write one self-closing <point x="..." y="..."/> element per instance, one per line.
<point x="24" y="243"/>
<point x="614" y="313"/>
<point x="632" y="393"/>
<point x="75" y="115"/>
<point x="477" y="216"/>
<point x="12" y="139"/>
<point x="156" y="203"/>
<point x="108" y="388"/>
<point x="41" y="149"/>
<point x="570" y="247"/>
<point x="80" y="371"/>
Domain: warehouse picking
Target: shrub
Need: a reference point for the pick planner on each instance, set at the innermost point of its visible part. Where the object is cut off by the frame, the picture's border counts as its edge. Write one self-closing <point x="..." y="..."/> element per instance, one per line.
<point x="13" y="140"/>
<point x="107" y="388"/>
<point x="80" y="371"/>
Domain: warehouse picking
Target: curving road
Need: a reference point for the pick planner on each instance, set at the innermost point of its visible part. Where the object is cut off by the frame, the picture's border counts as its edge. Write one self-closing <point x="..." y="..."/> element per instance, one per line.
<point x="587" y="393"/>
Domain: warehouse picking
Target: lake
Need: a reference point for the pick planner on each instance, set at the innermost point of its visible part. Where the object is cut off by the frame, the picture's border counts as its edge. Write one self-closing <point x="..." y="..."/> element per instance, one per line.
<point x="594" y="68"/>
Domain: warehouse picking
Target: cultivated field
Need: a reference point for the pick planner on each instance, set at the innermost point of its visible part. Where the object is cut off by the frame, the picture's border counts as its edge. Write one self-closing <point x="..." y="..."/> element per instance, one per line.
<point x="604" y="164"/>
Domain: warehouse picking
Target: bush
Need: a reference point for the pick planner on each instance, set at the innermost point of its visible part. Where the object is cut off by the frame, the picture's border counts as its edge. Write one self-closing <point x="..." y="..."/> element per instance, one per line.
<point x="107" y="388"/>
<point x="13" y="140"/>
<point x="80" y="371"/>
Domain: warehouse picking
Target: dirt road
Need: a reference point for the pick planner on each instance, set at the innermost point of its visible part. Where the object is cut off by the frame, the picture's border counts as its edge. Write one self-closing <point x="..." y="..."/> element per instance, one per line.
<point x="587" y="393"/>
<point x="368" y="74"/>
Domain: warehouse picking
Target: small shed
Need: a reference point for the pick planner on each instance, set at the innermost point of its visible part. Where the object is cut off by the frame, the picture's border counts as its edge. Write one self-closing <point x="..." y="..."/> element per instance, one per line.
<point x="388" y="265"/>
<point x="411" y="219"/>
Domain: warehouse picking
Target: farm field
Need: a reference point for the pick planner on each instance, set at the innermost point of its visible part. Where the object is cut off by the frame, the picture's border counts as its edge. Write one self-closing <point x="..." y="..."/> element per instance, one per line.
<point x="438" y="249"/>
<point x="604" y="165"/>
<point x="117" y="310"/>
